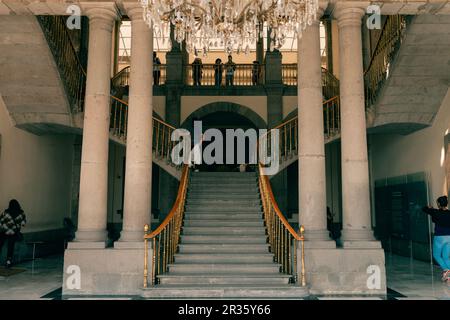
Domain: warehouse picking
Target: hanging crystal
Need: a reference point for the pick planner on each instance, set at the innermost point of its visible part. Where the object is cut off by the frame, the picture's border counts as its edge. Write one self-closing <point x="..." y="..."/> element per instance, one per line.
<point x="200" y="23"/>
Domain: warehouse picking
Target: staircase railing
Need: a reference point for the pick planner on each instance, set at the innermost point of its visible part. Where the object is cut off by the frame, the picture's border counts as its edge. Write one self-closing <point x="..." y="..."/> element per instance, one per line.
<point x="244" y="74"/>
<point x="166" y="237"/>
<point x="288" y="130"/>
<point x="122" y="78"/>
<point x="385" y="51"/>
<point x="69" y="66"/>
<point x="162" y="132"/>
<point x="283" y="239"/>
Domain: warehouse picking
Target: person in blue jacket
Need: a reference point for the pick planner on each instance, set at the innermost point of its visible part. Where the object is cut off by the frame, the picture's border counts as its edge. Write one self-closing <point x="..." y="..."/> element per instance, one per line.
<point x="441" y="240"/>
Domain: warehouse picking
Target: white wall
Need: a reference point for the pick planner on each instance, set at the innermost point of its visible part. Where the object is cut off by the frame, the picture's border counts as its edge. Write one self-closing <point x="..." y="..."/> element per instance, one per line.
<point x="35" y="170"/>
<point x="422" y="151"/>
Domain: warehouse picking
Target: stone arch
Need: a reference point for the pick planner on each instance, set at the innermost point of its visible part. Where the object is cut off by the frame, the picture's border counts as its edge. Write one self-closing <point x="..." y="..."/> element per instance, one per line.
<point x="226" y="107"/>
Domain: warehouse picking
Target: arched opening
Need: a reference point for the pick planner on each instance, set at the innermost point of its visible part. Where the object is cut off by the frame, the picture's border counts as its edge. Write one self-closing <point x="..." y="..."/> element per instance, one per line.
<point x="226" y="118"/>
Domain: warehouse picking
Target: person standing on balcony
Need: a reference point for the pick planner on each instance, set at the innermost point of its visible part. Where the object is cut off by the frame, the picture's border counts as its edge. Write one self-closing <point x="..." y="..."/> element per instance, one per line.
<point x="218" y="70"/>
<point x="230" y="67"/>
<point x="441" y="240"/>
<point x="197" y="71"/>
<point x="255" y="72"/>
<point x="156" y="69"/>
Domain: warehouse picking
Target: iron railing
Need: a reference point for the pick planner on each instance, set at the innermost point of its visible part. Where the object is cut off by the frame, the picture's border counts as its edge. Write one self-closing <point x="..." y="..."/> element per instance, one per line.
<point x="70" y="68"/>
<point x="166" y="237"/>
<point x="122" y="78"/>
<point x="214" y="75"/>
<point x="282" y="238"/>
<point x="385" y="51"/>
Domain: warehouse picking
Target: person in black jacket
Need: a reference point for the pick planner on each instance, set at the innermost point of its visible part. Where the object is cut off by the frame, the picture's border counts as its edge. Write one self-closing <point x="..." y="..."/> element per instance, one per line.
<point x="11" y="221"/>
<point x="441" y="240"/>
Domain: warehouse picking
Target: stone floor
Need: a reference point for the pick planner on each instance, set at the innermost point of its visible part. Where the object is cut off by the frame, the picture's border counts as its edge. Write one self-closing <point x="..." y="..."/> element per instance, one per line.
<point x="407" y="279"/>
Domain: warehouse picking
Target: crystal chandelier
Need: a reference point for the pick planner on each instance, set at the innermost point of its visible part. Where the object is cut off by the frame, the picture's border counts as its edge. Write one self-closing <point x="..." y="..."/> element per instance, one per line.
<point x="233" y="24"/>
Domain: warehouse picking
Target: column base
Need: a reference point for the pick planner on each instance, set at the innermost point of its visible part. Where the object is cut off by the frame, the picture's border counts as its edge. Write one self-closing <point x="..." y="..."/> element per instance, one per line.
<point x="132" y="236"/>
<point x="91" y="236"/>
<point x="345" y="271"/>
<point x="317" y="235"/>
<point x="357" y="235"/>
<point x="320" y="244"/>
<point x="130" y="245"/>
<point x="106" y="271"/>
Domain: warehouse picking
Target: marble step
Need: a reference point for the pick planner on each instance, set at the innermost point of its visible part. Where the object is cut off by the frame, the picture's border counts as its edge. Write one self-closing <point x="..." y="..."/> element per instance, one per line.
<point x="236" y="291"/>
<point x="225" y="279"/>
<point x="223" y="231"/>
<point x="244" y="257"/>
<point x="225" y="216"/>
<point x="195" y="248"/>
<point x="223" y="268"/>
<point x="223" y="202"/>
<point x="224" y="175"/>
<point x="223" y="208"/>
<point x="224" y="239"/>
<point x="220" y="184"/>
<point x="222" y="196"/>
<point x="221" y="223"/>
<point x="230" y="179"/>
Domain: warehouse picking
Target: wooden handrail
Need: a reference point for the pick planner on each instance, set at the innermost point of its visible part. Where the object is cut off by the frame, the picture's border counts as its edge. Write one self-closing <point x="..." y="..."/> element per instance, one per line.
<point x="165" y="238"/>
<point x="173" y="211"/>
<point x="277" y="209"/>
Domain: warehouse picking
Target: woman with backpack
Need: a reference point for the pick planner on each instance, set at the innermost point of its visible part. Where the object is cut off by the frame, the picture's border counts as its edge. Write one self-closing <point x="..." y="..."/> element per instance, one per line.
<point x="11" y="222"/>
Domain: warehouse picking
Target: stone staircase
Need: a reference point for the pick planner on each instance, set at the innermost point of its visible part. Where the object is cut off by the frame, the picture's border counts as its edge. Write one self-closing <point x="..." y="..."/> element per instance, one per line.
<point x="223" y="251"/>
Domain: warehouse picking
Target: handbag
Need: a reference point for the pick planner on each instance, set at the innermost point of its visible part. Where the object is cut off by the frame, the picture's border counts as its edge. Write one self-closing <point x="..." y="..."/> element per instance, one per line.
<point x="18" y="234"/>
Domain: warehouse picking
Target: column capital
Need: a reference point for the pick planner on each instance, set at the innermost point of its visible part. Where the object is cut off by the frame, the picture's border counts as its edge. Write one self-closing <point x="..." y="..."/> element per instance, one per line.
<point x="350" y="13"/>
<point x="320" y="11"/>
<point x="134" y="10"/>
<point x="104" y="13"/>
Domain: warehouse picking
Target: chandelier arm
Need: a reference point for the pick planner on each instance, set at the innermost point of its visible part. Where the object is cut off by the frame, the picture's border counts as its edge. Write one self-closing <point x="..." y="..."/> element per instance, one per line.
<point x="243" y="13"/>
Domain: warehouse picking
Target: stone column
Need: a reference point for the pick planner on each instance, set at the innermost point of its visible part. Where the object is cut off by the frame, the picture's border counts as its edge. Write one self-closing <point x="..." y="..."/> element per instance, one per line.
<point x="355" y="169"/>
<point x="311" y="154"/>
<point x="92" y="214"/>
<point x="138" y="167"/>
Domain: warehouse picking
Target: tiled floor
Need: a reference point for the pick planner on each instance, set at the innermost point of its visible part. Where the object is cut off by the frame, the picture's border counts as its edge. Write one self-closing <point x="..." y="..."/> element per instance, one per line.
<point x="407" y="279"/>
<point x="415" y="279"/>
<point x="46" y="278"/>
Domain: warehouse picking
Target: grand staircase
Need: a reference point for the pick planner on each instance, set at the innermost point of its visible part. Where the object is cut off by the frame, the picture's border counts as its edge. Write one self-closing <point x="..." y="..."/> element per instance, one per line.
<point x="223" y="251"/>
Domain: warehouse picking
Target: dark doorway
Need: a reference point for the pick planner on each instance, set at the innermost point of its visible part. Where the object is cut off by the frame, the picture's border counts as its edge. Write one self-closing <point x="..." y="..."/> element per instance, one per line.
<point x="222" y="121"/>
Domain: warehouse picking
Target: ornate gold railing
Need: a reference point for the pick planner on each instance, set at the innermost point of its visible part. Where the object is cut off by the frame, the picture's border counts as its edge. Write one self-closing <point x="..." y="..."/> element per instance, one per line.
<point x="162" y="132"/>
<point x="166" y="237"/>
<point x="330" y="84"/>
<point x="283" y="239"/>
<point x="69" y="66"/>
<point x="289" y="74"/>
<point x="205" y="75"/>
<point x="332" y="117"/>
<point x="288" y="130"/>
<point x="385" y="51"/>
<point x="122" y="78"/>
